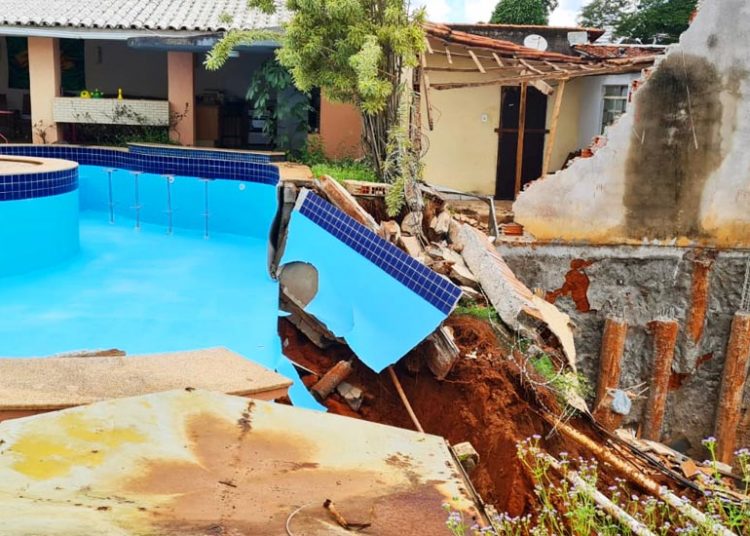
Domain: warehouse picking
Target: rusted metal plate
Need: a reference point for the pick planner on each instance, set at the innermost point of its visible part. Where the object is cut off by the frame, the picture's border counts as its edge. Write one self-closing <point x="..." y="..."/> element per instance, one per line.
<point x="36" y="385"/>
<point x="198" y="463"/>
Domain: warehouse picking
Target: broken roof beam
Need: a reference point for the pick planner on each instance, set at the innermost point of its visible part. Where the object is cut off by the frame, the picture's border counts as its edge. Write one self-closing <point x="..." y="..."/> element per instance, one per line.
<point x="476" y="61"/>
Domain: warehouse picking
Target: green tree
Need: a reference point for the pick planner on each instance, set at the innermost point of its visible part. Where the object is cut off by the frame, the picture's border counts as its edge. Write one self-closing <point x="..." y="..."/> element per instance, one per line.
<point x="604" y="13"/>
<point x="356" y="51"/>
<point x="523" y="11"/>
<point x="657" y="21"/>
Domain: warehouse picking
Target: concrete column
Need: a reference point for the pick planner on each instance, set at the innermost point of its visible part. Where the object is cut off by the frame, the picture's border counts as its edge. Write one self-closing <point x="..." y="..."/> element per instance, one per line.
<point x="665" y="338"/>
<point x="181" y="83"/>
<point x="45" y="81"/>
<point x="610" y="356"/>
<point x="733" y="386"/>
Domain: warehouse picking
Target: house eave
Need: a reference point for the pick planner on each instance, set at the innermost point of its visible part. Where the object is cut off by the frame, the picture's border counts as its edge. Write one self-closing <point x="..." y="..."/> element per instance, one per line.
<point x="110" y="34"/>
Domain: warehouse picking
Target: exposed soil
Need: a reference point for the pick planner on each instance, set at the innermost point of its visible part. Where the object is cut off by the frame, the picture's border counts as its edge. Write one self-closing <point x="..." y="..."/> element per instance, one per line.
<point x="482" y="401"/>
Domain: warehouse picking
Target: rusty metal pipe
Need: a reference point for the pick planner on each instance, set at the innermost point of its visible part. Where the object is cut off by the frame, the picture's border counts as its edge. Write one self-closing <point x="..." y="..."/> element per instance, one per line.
<point x="332" y="379"/>
<point x="610" y="356"/>
<point x="664" y="334"/>
<point x="733" y="386"/>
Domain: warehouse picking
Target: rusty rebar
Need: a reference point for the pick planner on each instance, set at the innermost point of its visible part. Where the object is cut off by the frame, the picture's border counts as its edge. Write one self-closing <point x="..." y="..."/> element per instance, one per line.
<point x="664" y="334"/>
<point x="402" y="395"/>
<point x="733" y="386"/>
<point x="610" y="357"/>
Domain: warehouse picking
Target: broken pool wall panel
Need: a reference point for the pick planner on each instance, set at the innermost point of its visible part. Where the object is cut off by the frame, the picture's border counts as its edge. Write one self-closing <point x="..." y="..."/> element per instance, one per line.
<point x="379" y="299"/>
<point x="674" y="168"/>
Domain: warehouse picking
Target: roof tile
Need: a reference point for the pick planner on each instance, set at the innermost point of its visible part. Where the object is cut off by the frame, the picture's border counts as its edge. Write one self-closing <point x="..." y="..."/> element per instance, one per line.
<point x="155" y="15"/>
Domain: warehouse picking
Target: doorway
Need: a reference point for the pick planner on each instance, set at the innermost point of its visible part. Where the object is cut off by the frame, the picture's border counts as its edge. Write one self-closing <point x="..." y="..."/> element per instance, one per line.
<point x="533" y="145"/>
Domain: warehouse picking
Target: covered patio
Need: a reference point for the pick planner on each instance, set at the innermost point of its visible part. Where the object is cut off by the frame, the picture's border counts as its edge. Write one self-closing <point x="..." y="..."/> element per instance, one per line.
<point x="66" y="77"/>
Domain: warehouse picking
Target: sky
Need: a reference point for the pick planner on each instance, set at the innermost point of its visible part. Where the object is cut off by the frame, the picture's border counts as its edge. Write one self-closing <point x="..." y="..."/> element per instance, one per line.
<point x="480" y="11"/>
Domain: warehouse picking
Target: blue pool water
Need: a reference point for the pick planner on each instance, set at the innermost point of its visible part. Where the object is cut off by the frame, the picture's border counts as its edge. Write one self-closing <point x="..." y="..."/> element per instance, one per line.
<point x="177" y="263"/>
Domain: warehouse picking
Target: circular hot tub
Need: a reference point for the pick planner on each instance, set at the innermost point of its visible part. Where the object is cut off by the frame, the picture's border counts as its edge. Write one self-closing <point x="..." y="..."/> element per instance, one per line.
<point x="38" y="213"/>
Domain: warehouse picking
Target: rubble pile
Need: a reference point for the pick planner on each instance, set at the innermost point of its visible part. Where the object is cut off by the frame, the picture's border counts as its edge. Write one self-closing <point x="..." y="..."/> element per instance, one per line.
<point x="500" y="370"/>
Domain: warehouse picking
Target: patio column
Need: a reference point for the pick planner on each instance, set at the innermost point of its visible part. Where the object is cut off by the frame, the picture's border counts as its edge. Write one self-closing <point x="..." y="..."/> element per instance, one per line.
<point x="181" y="82"/>
<point x="45" y="83"/>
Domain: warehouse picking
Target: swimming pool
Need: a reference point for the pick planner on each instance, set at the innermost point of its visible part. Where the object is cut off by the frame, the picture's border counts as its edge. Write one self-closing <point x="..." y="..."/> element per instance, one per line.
<point x="165" y="261"/>
<point x="158" y="249"/>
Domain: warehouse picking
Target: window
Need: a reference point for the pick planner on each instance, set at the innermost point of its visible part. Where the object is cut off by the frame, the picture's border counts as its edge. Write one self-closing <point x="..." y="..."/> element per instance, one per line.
<point x="615" y="104"/>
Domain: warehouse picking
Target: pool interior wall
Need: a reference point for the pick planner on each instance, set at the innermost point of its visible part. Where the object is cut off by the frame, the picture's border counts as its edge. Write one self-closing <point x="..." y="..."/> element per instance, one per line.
<point x="166" y="263"/>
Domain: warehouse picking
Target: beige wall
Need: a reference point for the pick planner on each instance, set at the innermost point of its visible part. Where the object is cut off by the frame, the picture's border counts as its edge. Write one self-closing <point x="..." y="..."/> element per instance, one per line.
<point x="340" y="130"/>
<point x="181" y="90"/>
<point x="462" y="148"/>
<point x="568" y="124"/>
<point x="45" y="81"/>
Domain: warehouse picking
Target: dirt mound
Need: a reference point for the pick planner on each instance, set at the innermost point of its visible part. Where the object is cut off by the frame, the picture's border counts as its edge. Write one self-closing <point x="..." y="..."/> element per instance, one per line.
<point x="482" y="402"/>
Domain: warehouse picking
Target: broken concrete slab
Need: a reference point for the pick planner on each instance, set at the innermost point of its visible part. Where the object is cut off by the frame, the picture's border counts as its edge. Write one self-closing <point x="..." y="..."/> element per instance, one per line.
<point x="183" y="462"/>
<point x="518" y="307"/>
<point x="440" y="224"/>
<point x="37" y="385"/>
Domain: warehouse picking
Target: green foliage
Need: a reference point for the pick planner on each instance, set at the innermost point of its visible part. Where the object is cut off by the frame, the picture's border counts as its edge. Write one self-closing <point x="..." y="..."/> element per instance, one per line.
<point x="273" y="97"/>
<point x="345" y="170"/>
<point x="352" y="49"/>
<point x="482" y="312"/>
<point x="604" y="13"/>
<point x="657" y="21"/>
<point x="355" y="51"/>
<point x="563" y="382"/>
<point x="521" y="12"/>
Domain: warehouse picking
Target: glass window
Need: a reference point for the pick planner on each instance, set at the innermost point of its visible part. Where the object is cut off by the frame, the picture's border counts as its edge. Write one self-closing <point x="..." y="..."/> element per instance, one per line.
<point x="615" y="104"/>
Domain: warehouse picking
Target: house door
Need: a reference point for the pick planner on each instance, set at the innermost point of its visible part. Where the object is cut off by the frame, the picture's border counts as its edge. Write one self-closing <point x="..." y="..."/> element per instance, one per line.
<point x="533" y="146"/>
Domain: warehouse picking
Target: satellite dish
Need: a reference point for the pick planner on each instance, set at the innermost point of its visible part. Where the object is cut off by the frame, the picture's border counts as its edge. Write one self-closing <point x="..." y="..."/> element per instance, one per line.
<point x="537" y="42"/>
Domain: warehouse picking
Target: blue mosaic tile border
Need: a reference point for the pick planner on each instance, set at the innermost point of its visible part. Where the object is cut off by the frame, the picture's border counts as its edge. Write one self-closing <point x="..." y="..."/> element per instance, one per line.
<point x="35" y="185"/>
<point x="229" y="156"/>
<point x="434" y="288"/>
<point x="206" y="168"/>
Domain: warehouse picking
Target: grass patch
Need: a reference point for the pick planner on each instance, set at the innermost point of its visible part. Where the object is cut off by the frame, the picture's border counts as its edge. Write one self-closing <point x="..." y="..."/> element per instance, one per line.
<point x="345" y="170"/>
<point x="478" y="311"/>
<point x="562" y="382"/>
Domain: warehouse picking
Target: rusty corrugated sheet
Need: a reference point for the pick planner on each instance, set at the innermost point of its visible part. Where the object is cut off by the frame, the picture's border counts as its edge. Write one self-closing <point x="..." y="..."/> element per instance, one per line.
<point x="195" y="462"/>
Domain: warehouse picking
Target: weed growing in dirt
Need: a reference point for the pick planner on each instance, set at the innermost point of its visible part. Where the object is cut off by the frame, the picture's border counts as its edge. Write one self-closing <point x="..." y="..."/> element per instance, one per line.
<point x="482" y="312"/>
<point x="566" y="504"/>
<point x="561" y="382"/>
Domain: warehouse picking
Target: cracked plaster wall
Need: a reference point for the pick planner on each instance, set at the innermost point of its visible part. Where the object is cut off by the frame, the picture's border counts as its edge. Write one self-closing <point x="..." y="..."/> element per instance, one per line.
<point x="676" y="168"/>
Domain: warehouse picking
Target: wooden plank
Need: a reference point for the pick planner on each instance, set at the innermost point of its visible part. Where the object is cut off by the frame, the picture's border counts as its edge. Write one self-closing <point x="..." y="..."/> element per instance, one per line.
<point x="339" y="196"/>
<point x="448" y="56"/>
<point x="426" y="80"/>
<point x="423" y="60"/>
<point x="476" y="61"/>
<point x="429" y="46"/>
<point x="521" y="135"/>
<point x="553" y="128"/>
<point x="497" y="60"/>
<point x="530" y="67"/>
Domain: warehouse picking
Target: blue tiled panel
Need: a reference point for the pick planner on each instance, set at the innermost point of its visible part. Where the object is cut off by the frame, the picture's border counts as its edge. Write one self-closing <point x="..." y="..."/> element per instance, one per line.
<point x="431" y="286"/>
<point x="34" y="185"/>
<point x="207" y="168"/>
<point x="230" y="156"/>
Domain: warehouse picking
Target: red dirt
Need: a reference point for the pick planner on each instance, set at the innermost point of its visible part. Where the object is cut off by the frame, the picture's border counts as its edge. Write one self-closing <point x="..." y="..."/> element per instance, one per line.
<point x="482" y="402"/>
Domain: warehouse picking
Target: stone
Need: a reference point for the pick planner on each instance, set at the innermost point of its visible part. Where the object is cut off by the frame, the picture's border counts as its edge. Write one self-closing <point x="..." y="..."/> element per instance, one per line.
<point x="472" y="294"/>
<point x="391" y="231"/>
<point x="413" y="247"/>
<point x="467" y="456"/>
<point x="351" y="394"/>
<point x="412" y="224"/>
<point x="440" y="224"/>
<point x="462" y="274"/>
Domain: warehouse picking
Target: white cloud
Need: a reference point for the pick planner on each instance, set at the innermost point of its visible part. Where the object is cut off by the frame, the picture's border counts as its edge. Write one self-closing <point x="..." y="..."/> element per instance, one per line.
<point x="478" y="10"/>
<point x="566" y="14"/>
<point x="437" y="10"/>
